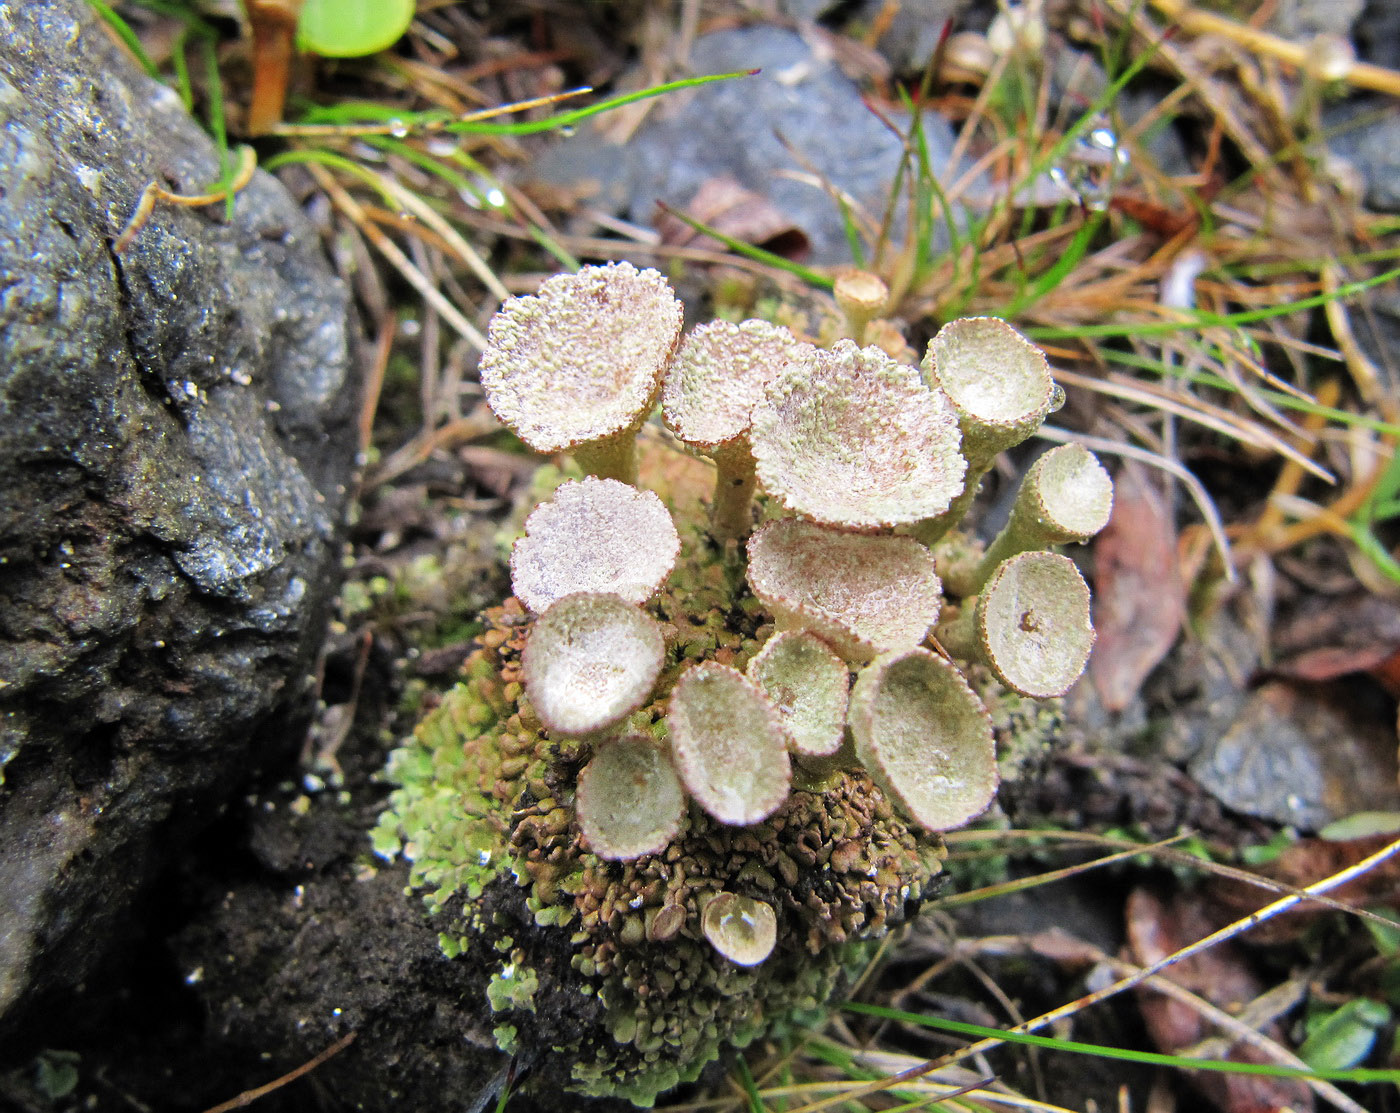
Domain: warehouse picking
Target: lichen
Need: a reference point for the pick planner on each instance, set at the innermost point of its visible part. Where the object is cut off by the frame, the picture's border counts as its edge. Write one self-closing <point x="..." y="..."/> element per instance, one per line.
<point x="485" y="797"/>
<point x="588" y="923"/>
<point x="512" y="987"/>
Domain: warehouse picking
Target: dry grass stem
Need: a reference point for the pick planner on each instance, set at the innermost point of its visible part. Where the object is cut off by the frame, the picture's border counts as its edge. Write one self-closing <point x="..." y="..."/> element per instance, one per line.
<point x="355" y="212"/>
<point x="145" y="205"/>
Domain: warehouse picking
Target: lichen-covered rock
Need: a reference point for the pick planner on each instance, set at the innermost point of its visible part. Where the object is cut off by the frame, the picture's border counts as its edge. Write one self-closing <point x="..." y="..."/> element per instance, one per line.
<point x="486" y="801"/>
<point x="663" y="934"/>
<point x="176" y="438"/>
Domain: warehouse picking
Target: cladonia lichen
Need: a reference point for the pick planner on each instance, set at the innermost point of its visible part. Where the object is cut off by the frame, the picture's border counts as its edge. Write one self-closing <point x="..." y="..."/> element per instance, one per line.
<point x="675" y="797"/>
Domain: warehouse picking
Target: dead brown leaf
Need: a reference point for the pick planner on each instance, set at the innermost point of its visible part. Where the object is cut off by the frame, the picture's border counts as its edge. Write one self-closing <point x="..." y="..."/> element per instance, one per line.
<point x="1139" y="595"/>
<point x="1157" y="926"/>
<point x="725" y="205"/>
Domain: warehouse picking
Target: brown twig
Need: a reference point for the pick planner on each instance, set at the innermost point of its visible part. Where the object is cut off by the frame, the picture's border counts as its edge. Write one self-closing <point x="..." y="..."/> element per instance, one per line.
<point x="1239" y="927"/>
<point x="1195" y="21"/>
<point x="247" y="1097"/>
<point x="248" y="162"/>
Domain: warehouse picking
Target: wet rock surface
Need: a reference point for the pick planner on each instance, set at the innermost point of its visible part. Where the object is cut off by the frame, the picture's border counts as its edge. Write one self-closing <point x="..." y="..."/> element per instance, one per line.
<point x="1365" y="132"/>
<point x="176" y="443"/>
<point x="771" y="131"/>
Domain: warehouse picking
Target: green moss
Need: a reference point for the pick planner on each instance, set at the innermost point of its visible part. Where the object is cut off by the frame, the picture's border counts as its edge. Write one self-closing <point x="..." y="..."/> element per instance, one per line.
<point x="484" y="811"/>
<point x="513" y="987"/>
<point x="506" y="1038"/>
<point x="455" y="775"/>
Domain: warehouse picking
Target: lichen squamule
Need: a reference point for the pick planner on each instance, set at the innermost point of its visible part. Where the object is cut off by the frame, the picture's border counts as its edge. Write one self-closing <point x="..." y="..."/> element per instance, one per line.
<point x="701" y="761"/>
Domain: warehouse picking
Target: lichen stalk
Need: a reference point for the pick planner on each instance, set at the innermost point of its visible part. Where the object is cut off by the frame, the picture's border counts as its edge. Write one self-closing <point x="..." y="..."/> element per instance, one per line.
<point x="932" y="530"/>
<point x="731" y="511"/>
<point x="613" y="457"/>
<point x="958" y="634"/>
<point x="1066" y="496"/>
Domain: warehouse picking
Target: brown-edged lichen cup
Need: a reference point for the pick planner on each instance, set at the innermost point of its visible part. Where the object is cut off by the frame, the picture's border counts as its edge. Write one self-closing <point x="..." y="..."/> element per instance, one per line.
<point x="577" y="367"/>
<point x="656" y="813"/>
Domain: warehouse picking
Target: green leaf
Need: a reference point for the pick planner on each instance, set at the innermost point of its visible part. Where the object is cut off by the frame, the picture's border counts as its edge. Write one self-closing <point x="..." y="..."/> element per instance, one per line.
<point x="56" y="1073"/>
<point x="1346" y="1036"/>
<point x="1385" y="938"/>
<point x="1267" y="852"/>
<point x="1361" y="825"/>
<point x="352" y="28"/>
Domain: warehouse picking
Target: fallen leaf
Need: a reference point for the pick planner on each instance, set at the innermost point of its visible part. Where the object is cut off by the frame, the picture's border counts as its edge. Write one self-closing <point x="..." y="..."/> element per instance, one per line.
<point x="1139" y="596"/>
<point x="1158" y="926"/>
<point x="1330" y="637"/>
<point x="726" y="206"/>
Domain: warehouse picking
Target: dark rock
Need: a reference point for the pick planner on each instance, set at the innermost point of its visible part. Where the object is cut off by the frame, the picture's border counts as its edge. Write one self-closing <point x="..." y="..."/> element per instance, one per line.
<point x="177" y="430"/>
<point x="288" y="963"/>
<point x="1297" y="758"/>
<point x="747" y="129"/>
<point x="1377" y="33"/>
<point x="1366" y="133"/>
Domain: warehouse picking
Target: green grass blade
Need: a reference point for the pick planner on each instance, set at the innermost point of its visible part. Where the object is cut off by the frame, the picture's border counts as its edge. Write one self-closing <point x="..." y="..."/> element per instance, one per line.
<point x="1282" y="399"/>
<point x="218" y="127"/>
<point x="569" y="119"/>
<point x="1069" y="258"/>
<point x="852" y="233"/>
<point x="178" y="59"/>
<point x="562" y="255"/>
<point x="749" y="251"/>
<point x="750" y="1087"/>
<point x="1200" y="319"/>
<point x="335" y="162"/>
<point x="129" y="39"/>
<point x="424" y="161"/>
<point x="1103" y="1051"/>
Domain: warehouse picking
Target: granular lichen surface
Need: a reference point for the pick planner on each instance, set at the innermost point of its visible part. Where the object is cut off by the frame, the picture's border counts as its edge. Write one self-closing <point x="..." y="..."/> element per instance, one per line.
<point x="643" y="942"/>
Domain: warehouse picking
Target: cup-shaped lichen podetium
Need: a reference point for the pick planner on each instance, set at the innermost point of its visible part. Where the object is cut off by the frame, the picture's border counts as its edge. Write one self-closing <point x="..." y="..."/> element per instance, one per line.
<point x="740" y="928"/>
<point x="1000" y="386"/>
<point x="1030" y="625"/>
<point x="596" y="535"/>
<point x="592" y="659"/>
<point x="716" y="379"/>
<point x="810" y="687"/>
<point x="1066" y="496"/>
<point x="728" y="743"/>
<point x="861" y="297"/>
<point x="850" y="438"/>
<point x="925" y="737"/>
<point x="630" y="801"/>
<point x="578" y="367"/>
<point x="860" y="593"/>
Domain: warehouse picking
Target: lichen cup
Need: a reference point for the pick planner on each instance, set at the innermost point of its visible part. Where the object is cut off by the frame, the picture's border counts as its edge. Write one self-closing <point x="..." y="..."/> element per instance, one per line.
<point x="684" y="786"/>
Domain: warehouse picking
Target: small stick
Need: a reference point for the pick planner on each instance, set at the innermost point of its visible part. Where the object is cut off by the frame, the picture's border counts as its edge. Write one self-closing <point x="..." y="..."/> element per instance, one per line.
<point x="247" y="163"/>
<point x="1268" y="912"/>
<point x="1362" y="75"/>
<point x="247" y="1097"/>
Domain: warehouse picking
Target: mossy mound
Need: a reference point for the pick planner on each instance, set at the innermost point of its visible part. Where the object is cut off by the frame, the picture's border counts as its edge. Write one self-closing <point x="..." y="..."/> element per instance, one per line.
<point x="613" y="988"/>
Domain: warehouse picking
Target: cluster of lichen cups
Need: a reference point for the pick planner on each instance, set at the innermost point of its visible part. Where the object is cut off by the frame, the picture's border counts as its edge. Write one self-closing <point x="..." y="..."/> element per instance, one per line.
<point x="864" y="466"/>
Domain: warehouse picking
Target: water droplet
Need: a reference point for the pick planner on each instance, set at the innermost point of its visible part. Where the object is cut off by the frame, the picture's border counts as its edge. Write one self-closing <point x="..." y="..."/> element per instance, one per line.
<point x="398" y="129"/>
